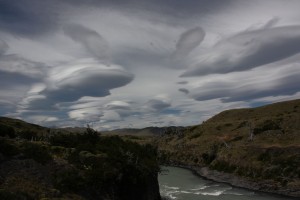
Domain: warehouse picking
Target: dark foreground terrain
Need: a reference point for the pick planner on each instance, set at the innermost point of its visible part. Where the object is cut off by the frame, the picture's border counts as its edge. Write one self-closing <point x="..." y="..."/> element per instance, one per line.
<point x="42" y="163"/>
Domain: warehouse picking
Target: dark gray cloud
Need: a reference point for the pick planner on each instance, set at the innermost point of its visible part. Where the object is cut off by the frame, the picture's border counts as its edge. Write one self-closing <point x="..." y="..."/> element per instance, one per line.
<point x="34" y="17"/>
<point x="182" y="82"/>
<point x="13" y="86"/>
<point x="248" y="50"/>
<point x="184" y="90"/>
<point x="92" y="41"/>
<point x="25" y="67"/>
<point x="272" y="84"/>
<point x="188" y="41"/>
<point x="157" y="104"/>
<point x="88" y="82"/>
<point x="29" y="17"/>
<point x="17" y="75"/>
<point x="181" y="10"/>
<point x="9" y="78"/>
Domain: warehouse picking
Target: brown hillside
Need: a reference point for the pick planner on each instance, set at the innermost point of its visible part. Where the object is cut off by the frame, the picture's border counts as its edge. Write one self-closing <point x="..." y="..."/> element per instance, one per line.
<point x="258" y="144"/>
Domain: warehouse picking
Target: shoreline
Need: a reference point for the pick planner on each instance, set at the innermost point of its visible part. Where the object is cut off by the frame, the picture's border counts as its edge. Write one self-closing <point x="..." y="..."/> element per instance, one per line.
<point x="240" y="182"/>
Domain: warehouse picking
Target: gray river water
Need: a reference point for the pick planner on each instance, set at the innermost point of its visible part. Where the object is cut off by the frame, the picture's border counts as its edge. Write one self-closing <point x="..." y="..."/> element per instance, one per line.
<point x="182" y="184"/>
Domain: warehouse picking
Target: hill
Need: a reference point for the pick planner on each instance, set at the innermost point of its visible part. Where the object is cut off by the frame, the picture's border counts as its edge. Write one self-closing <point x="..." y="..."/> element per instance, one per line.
<point x="257" y="148"/>
<point x="18" y="127"/>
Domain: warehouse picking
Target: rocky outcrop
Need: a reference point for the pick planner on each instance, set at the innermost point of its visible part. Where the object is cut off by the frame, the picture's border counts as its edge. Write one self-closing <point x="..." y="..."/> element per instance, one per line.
<point x="146" y="189"/>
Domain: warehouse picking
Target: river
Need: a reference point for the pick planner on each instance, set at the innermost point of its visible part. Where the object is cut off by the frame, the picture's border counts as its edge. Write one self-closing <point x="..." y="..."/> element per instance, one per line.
<point x="182" y="184"/>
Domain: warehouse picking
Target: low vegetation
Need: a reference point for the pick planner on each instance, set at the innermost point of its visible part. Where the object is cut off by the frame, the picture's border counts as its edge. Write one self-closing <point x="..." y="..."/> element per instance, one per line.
<point x="75" y="166"/>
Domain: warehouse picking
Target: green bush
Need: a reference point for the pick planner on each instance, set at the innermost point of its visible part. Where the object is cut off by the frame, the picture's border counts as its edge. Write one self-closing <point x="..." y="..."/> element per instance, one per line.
<point x="265" y="126"/>
<point x="29" y="134"/>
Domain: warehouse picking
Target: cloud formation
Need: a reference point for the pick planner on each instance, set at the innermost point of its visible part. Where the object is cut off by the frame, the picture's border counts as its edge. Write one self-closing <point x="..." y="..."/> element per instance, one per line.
<point x="277" y="82"/>
<point x="184" y="90"/>
<point x="28" y="17"/>
<point x="158" y="104"/>
<point x="92" y="41"/>
<point x="18" y="65"/>
<point x="86" y="79"/>
<point x="247" y="50"/>
<point x="74" y="80"/>
<point x="118" y="105"/>
<point x="71" y="62"/>
<point x="188" y="41"/>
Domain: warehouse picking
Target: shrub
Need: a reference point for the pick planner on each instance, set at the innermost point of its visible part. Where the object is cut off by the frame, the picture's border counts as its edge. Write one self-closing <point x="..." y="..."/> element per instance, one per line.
<point x="265" y="126"/>
<point x="195" y="135"/>
<point x="36" y="152"/>
<point x="7" y="131"/>
<point x="8" y="149"/>
<point x="7" y="195"/>
<point x="208" y="157"/>
<point x="69" y="180"/>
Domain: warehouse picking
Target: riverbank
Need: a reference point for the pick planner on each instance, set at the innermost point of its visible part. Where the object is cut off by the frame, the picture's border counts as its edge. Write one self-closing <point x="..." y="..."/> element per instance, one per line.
<point x="241" y="182"/>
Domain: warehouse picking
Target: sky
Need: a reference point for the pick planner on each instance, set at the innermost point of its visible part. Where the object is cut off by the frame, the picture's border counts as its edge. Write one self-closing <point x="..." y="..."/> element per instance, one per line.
<point x="139" y="63"/>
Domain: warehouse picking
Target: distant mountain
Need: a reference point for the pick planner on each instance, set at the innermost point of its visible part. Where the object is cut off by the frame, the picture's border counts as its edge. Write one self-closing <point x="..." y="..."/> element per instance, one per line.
<point x="148" y="131"/>
<point x="72" y="129"/>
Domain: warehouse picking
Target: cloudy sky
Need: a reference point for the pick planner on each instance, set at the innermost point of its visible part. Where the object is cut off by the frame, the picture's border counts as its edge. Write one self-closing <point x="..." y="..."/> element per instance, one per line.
<point x="137" y="63"/>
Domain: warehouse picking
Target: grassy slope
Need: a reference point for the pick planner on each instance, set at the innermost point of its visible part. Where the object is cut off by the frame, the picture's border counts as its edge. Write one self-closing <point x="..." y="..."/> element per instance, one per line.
<point x="222" y="143"/>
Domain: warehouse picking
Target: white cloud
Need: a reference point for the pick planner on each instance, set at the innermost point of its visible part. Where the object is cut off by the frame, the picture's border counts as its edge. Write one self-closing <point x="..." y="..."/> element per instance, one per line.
<point x="118" y="105"/>
<point x="110" y="116"/>
<point x="85" y="114"/>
